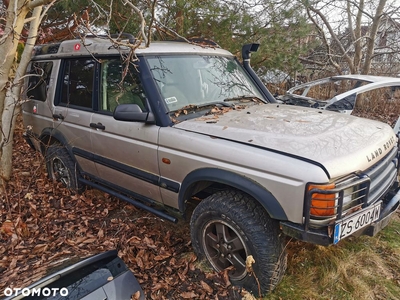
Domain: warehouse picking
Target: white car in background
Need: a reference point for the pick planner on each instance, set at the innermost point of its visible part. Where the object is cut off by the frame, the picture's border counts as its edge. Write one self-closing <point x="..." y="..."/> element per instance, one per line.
<point x="340" y="93"/>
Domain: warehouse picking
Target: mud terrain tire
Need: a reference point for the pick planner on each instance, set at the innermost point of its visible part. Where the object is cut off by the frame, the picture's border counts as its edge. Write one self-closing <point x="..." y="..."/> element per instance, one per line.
<point x="61" y="167"/>
<point x="228" y="226"/>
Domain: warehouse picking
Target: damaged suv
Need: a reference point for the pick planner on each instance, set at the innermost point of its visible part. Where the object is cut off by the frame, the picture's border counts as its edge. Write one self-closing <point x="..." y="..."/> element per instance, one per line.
<point x="188" y="123"/>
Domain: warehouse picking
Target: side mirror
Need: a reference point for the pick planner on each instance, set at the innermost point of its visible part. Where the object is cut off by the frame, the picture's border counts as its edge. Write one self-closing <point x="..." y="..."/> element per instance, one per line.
<point x="133" y="113"/>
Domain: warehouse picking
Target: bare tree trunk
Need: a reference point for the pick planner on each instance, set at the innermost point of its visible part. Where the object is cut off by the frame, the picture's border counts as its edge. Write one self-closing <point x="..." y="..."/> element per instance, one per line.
<point x="16" y="13"/>
<point x="357" y="35"/>
<point x="372" y="36"/>
<point x="11" y="88"/>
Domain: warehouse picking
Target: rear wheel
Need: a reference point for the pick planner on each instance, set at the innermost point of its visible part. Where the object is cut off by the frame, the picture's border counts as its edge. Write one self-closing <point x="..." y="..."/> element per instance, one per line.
<point x="61" y="167"/>
<point x="227" y="227"/>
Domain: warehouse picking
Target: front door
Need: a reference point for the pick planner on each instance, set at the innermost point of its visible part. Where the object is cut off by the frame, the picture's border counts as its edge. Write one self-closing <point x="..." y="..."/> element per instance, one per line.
<point x="125" y="152"/>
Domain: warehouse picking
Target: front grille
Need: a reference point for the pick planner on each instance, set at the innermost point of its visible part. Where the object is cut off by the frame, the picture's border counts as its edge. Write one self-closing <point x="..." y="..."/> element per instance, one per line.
<point x="382" y="175"/>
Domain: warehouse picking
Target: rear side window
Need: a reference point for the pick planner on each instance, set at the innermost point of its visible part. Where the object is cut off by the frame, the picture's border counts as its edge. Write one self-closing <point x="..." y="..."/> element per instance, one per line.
<point x="77" y="83"/>
<point x="39" y="78"/>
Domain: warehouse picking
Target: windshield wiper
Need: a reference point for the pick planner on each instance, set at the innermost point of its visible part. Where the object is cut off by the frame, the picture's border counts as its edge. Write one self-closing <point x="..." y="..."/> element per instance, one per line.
<point x="206" y="108"/>
<point x="195" y="107"/>
<point x="253" y="98"/>
<point x="223" y="103"/>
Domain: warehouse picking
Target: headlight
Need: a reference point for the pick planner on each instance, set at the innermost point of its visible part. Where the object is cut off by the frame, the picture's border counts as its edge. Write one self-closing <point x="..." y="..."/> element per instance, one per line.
<point x="353" y="197"/>
<point x="335" y="200"/>
<point x="323" y="204"/>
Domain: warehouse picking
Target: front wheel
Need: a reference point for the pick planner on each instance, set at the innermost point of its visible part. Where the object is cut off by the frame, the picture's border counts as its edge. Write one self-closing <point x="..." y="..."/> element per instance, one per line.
<point x="227" y="227"/>
<point x="61" y="167"/>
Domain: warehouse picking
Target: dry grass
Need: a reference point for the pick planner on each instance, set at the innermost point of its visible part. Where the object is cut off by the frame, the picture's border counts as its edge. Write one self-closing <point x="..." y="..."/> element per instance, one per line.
<point x="356" y="268"/>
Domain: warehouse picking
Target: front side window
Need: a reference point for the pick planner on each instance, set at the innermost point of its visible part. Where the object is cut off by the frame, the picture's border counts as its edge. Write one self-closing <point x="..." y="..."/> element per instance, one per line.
<point x="120" y="84"/>
<point x="77" y="83"/>
<point x="39" y="79"/>
<point x="199" y="80"/>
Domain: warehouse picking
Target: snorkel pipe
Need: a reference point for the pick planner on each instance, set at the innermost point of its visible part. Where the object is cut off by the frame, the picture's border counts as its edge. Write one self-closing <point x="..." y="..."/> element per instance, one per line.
<point x="246" y="54"/>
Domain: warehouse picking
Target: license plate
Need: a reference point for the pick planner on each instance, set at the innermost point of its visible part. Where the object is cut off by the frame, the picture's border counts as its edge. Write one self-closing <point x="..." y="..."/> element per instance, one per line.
<point x="353" y="223"/>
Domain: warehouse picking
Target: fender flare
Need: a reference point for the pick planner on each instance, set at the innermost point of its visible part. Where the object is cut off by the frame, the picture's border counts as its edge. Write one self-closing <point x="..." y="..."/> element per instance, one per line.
<point x="54" y="133"/>
<point x="243" y="183"/>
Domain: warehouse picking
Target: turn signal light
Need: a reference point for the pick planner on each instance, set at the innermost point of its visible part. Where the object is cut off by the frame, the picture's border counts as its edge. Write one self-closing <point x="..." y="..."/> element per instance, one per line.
<point x="322" y="204"/>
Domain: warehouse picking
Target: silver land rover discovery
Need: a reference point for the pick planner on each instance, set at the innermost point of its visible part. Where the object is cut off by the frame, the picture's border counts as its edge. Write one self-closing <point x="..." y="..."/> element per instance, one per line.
<point x="187" y="123"/>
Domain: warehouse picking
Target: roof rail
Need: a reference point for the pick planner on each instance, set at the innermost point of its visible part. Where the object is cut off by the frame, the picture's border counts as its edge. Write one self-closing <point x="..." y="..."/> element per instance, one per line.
<point x="131" y="38"/>
<point x="52" y="48"/>
<point x="199" y="41"/>
<point x="122" y="35"/>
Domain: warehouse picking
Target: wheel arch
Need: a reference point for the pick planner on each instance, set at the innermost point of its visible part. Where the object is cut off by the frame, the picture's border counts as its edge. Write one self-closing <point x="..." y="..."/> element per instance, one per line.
<point x="234" y="180"/>
<point x="51" y="136"/>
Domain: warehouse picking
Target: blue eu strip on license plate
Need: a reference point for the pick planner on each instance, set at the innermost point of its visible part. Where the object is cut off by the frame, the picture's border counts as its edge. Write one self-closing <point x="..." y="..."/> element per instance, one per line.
<point x="356" y="221"/>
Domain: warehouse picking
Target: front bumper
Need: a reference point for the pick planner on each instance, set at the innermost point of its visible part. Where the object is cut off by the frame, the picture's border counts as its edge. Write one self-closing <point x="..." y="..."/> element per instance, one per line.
<point x="324" y="235"/>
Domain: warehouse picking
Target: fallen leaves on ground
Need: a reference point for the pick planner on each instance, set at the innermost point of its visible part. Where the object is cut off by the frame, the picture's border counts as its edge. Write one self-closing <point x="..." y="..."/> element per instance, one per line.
<point x="42" y="224"/>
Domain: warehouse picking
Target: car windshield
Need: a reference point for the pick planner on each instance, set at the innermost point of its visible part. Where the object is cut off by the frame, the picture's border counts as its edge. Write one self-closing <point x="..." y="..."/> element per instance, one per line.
<point x="200" y="80"/>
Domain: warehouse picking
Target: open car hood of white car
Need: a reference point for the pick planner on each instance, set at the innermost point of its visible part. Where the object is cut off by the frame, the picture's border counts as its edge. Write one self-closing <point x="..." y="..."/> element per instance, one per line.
<point x="341" y="143"/>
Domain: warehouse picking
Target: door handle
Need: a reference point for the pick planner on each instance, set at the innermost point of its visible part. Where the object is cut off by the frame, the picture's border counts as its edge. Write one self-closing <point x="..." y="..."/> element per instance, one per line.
<point x="58" y="117"/>
<point x="97" y="126"/>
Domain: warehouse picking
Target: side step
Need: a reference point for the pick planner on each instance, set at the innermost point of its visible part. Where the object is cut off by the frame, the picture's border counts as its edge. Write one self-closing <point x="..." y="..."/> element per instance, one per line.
<point x="135" y="203"/>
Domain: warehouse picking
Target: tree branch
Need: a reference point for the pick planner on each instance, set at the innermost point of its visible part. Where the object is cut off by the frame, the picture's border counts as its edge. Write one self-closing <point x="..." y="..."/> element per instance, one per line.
<point x="153" y="7"/>
<point x="372" y="36"/>
<point x="36" y="3"/>
<point x="320" y="30"/>
<point x="142" y="20"/>
<point x="333" y="35"/>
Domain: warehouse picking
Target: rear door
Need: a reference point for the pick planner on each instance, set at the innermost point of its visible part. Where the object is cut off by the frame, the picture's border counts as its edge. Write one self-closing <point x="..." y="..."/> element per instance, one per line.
<point x="74" y="107"/>
<point x="125" y="153"/>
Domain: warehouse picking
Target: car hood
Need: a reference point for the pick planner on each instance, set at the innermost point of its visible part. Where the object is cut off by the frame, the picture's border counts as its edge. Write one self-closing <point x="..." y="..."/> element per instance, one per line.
<point x="341" y="143"/>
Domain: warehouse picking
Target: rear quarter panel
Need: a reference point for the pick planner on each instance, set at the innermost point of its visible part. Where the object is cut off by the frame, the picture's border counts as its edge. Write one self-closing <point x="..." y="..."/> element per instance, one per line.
<point x="38" y="114"/>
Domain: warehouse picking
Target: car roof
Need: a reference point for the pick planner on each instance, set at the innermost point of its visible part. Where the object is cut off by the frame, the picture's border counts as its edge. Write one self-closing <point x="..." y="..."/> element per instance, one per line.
<point x="369" y="78"/>
<point x="379" y="80"/>
<point x="102" y="46"/>
<point x="372" y="82"/>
